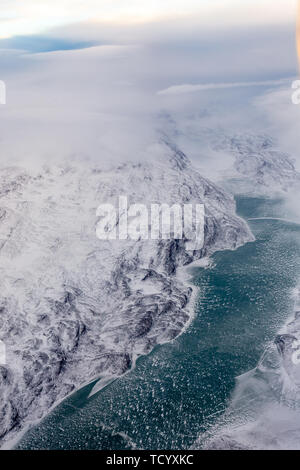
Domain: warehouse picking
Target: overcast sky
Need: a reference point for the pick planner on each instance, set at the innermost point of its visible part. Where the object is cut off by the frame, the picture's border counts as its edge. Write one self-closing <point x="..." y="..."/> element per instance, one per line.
<point x="90" y="77"/>
<point x="19" y="17"/>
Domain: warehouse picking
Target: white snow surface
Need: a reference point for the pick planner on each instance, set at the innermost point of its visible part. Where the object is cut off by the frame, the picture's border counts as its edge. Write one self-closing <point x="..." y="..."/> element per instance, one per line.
<point x="75" y="308"/>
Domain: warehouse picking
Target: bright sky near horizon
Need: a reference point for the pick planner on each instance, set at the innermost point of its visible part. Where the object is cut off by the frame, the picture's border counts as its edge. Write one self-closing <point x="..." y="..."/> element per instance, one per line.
<point x="27" y="17"/>
<point x="298" y="32"/>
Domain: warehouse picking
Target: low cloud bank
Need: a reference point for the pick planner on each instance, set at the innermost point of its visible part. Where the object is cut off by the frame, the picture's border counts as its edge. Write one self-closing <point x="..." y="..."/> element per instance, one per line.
<point x="187" y="88"/>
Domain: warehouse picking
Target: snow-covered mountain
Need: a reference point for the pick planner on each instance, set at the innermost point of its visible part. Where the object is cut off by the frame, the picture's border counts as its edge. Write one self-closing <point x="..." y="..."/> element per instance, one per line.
<point x="259" y="165"/>
<point x="249" y="162"/>
<point x="75" y="308"/>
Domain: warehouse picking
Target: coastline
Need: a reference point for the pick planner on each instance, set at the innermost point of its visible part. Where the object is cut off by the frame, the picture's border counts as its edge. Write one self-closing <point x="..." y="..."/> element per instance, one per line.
<point x="184" y="276"/>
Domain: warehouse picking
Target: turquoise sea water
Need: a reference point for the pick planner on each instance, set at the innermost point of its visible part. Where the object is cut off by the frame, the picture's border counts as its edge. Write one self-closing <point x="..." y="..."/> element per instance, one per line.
<point x="179" y="391"/>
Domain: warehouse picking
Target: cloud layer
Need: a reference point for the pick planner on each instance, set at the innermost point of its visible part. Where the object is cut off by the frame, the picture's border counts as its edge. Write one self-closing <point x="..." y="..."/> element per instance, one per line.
<point x="102" y="102"/>
<point x="187" y="88"/>
<point x="34" y="17"/>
